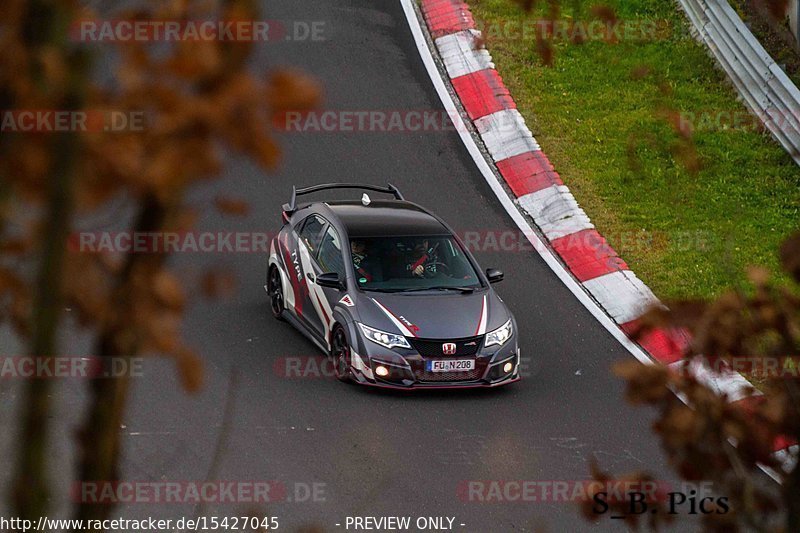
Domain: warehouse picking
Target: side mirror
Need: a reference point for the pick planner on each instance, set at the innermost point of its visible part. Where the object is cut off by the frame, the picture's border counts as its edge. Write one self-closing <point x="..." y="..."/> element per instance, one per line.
<point x="494" y="275"/>
<point x="330" y="280"/>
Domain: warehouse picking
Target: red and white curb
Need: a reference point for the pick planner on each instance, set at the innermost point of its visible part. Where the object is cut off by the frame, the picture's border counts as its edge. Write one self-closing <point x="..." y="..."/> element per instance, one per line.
<point x="583" y="255"/>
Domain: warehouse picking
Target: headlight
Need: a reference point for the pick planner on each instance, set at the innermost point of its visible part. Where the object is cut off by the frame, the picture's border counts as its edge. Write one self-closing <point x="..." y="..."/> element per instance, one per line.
<point x="500" y="335"/>
<point x="390" y="340"/>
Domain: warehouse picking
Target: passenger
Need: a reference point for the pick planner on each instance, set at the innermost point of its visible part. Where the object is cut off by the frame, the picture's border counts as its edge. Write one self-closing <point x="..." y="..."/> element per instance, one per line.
<point x="365" y="267"/>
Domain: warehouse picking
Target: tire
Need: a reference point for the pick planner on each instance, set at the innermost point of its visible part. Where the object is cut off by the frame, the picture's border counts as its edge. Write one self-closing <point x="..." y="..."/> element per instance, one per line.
<point x="275" y="291"/>
<point x="340" y="355"/>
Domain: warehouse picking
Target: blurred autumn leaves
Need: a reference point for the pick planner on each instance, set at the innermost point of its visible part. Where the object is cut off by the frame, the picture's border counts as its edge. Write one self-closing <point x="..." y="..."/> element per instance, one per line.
<point x="705" y="435"/>
<point x="708" y="437"/>
<point x="200" y="103"/>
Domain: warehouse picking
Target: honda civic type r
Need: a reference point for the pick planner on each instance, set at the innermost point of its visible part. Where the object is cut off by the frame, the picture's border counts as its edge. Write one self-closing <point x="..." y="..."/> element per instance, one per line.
<point x="388" y="291"/>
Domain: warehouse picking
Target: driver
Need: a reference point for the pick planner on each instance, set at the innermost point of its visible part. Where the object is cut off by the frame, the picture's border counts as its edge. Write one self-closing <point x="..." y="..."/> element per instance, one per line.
<point x="422" y="256"/>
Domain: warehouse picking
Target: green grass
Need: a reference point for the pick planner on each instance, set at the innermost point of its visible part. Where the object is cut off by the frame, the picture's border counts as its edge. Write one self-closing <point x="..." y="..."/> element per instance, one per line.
<point x="599" y="114"/>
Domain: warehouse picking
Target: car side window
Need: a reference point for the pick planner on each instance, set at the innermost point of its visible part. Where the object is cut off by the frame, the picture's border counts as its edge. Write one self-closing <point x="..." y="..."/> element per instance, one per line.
<point x="330" y="256"/>
<point x="312" y="232"/>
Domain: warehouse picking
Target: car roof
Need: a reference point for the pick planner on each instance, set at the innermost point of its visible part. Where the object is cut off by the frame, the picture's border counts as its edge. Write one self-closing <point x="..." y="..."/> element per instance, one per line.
<point x="386" y="218"/>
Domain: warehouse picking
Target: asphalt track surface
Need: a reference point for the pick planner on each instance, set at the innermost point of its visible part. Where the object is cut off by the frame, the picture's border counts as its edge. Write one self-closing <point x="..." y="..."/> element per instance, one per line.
<point x="377" y="453"/>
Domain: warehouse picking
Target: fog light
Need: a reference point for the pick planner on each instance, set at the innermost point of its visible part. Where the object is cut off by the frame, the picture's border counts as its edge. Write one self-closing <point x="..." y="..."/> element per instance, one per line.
<point x="382" y="371"/>
<point x="508" y="367"/>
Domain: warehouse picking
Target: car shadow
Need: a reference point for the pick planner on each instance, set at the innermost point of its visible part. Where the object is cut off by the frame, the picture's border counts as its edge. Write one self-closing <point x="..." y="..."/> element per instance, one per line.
<point x="437" y="394"/>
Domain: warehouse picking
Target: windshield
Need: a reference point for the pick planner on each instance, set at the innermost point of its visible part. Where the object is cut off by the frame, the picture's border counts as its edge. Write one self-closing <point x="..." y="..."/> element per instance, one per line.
<point x="395" y="264"/>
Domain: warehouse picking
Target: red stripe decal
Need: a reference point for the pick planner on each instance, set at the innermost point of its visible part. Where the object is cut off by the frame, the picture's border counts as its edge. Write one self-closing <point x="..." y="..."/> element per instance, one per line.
<point x="324" y="314"/>
<point x="409" y="326"/>
<point x="480" y="318"/>
<point x="296" y="285"/>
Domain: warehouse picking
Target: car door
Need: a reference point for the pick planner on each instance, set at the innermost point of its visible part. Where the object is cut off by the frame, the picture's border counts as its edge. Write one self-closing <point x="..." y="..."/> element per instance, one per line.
<point x="329" y="259"/>
<point x="302" y="255"/>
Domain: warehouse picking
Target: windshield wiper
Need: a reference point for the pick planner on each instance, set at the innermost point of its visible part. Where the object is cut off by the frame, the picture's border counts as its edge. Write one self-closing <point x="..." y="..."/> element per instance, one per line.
<point x="376" y="289"/>
<point x="465" y="290"/>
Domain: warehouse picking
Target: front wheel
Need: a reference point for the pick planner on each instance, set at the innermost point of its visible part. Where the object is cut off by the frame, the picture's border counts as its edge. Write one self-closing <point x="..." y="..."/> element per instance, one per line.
<point x="275" y="291"/>
<point x="340" y="353"/>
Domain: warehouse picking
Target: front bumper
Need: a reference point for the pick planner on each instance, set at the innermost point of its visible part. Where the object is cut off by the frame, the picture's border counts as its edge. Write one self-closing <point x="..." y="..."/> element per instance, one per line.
<point x="407" y="370"/>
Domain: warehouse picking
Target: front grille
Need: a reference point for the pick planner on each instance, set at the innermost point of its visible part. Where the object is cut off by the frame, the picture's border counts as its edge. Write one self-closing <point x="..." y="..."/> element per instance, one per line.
<point x="433" y="347"/>
<point x="470" y="375"/>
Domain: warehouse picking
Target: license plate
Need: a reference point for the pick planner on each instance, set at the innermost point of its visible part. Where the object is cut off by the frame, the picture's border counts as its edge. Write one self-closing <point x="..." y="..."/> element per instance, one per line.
<point x="450" y="365"/>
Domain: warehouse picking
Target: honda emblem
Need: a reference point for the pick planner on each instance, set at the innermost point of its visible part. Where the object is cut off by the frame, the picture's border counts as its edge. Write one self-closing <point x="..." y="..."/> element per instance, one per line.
<point x="449" y="348"/>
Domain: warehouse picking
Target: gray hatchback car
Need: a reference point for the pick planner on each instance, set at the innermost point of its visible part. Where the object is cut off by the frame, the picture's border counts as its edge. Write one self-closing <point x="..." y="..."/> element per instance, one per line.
<point x="390" y="293"/>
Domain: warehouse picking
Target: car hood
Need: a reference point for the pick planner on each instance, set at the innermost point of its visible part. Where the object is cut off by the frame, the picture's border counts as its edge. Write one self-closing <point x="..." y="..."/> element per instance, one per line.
<point x="433" y="316"/>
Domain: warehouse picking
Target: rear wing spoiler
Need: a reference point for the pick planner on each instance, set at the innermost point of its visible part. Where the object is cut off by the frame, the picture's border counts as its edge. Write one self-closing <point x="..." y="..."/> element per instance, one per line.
<point x="292" y="205"/>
